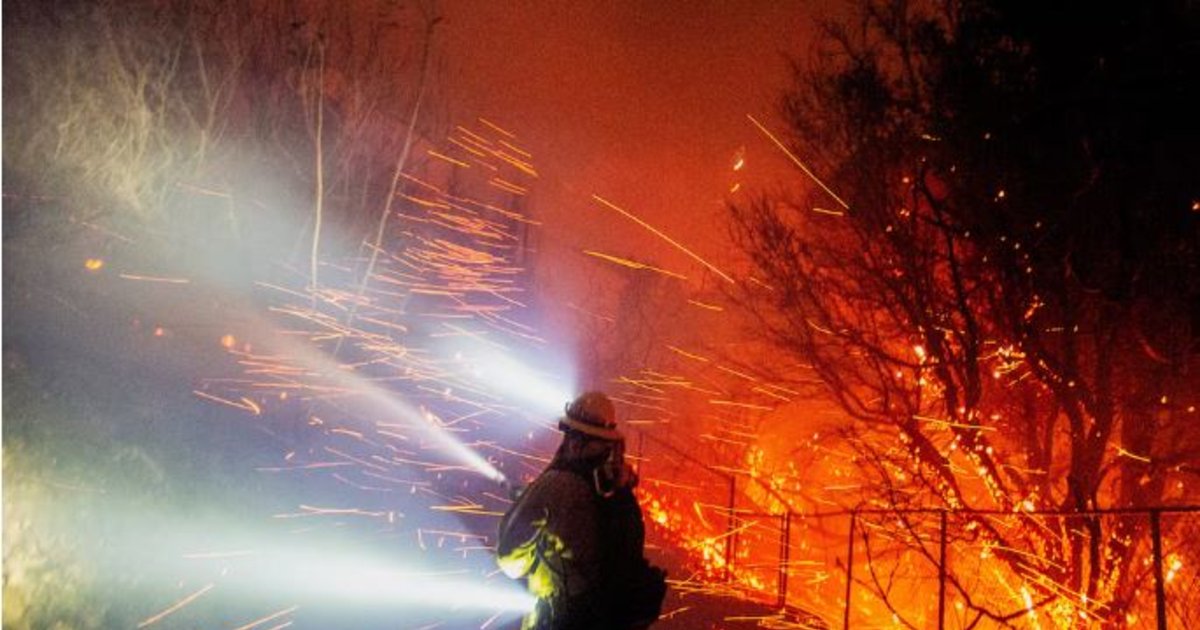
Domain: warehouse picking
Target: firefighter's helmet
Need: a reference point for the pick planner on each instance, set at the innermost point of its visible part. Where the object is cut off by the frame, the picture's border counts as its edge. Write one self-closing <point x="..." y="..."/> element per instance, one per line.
<point x="592" y="414"/>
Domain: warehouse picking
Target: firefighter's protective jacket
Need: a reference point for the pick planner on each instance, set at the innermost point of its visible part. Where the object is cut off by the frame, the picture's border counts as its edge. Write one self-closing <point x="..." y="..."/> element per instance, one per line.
<point x="550" y="537"/>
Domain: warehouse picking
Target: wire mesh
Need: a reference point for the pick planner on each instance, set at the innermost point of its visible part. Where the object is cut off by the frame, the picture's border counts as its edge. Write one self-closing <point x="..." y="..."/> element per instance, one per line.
<point x="923" y="568"/>
<point x="1043" y="570"/>
<point x="815" y="563"/>
<point x="757" y="552"/>
<point x="895" y="570"/>
<point x="1017" y="570"/>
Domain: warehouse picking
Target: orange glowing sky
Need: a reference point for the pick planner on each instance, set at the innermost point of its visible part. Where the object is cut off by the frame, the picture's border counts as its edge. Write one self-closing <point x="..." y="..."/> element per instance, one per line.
<point x="643" y="103"/>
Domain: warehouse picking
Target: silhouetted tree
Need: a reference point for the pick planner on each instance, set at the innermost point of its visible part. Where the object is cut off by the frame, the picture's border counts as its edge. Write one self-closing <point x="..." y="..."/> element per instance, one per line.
<point x="1003" y="271"/>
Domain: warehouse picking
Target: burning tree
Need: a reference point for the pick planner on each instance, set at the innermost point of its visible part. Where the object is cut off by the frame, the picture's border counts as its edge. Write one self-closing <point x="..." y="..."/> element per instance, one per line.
<point x="995" y="277"/>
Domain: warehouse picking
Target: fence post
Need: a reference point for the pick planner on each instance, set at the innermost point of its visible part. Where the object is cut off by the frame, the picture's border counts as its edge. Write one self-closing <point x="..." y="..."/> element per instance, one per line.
<point x="785" y="540"/>
<point x="731" y="532"/>
<point x="849" y="569"/>
<point x="641" y="450"/>
<point x="1160" y="595"/>
<point x="942" y="575"/>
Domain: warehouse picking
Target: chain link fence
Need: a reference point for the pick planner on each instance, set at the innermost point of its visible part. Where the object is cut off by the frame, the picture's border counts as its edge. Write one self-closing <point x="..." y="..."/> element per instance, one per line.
<point x="979" y="569"/>
<point x="920" y="568"/>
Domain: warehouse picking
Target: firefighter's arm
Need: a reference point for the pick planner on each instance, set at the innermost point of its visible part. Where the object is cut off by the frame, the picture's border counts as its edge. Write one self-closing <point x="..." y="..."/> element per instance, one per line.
<point x="520" y="528"/>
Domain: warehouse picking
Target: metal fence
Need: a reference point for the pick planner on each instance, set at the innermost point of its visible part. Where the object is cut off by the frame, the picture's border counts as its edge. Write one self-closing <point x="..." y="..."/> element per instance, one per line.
<point x="844" y="568"/>
<point x="834" y="565"/>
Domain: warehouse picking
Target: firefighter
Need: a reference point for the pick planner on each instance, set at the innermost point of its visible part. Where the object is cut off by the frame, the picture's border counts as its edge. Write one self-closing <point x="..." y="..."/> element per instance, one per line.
<point x="576" y="534"/>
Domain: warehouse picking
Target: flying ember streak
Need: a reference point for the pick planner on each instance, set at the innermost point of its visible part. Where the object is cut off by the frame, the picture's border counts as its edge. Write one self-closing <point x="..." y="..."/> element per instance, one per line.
<point x="668" y="239"/>
<point x="633" y="264"/>
<point x="795" y="160"/>
<point x="176" y="606"/>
